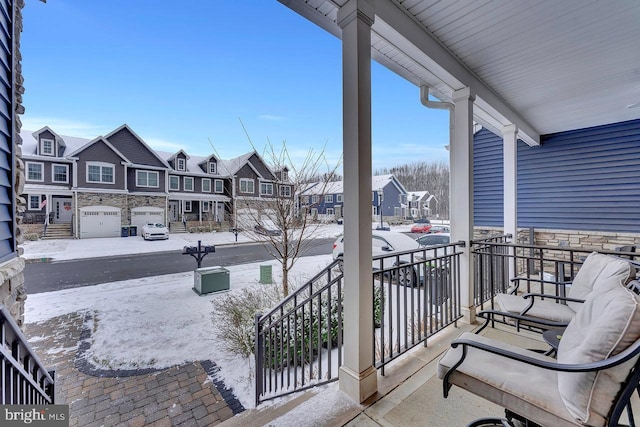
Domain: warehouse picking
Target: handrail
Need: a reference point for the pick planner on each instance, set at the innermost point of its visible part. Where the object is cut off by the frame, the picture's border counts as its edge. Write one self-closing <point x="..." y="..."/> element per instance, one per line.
<point x="25" y="380"/>
<point x="298" y="343"/>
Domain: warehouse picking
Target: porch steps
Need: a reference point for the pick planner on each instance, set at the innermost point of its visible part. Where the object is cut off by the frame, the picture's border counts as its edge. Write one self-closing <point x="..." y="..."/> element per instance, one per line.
<point x="177" y="227"/>
<point x="57" y="231"/>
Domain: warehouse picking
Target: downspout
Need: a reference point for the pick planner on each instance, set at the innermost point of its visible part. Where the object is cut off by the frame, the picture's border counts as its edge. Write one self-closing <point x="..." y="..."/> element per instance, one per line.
<point x="439" y="105"/>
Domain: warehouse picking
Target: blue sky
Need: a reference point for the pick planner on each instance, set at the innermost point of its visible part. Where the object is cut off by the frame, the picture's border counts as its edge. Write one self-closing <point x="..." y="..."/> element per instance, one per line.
<point x="184" y="73"/>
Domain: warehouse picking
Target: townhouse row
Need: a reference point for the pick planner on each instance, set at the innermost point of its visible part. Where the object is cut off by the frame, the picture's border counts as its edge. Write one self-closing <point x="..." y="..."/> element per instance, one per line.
<point x="97" y="186"/>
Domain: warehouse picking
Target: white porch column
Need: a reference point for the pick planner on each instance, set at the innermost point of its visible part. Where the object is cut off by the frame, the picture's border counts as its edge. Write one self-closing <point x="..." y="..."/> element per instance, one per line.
<point x="510" y="166"/>
<point x="358" y="377"/>
<point x="461" y="188"/>
<point x="510" y="159"/>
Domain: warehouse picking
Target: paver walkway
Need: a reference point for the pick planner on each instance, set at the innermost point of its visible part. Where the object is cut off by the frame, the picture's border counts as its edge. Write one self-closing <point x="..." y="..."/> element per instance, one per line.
<point x="186" y="395"/>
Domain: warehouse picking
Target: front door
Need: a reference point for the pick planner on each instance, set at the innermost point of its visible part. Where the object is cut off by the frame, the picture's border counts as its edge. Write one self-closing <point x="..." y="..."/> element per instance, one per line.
<point x="62" y="210"/>
<point x="173" y="211"/>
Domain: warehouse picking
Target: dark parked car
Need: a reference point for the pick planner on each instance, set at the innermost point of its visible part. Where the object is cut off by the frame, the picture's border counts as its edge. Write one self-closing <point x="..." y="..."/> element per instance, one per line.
<point x="434" y="239"/>
<point x="439" y="229"/>
<point x="267" y="231"/>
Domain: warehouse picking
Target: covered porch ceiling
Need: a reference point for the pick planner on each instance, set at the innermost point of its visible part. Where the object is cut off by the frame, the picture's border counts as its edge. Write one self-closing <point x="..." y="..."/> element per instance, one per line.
<point x="546" y="66"/>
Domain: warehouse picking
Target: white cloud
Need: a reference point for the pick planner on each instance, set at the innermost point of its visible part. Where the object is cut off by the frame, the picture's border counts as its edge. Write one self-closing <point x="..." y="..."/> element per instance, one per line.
<point x="65" y="127"/>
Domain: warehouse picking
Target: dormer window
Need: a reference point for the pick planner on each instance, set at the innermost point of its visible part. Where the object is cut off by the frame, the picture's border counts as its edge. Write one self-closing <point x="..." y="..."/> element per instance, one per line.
<point x="47" y="147"/>
<point x="181" y="164"/>
<point x="213" y="168"/>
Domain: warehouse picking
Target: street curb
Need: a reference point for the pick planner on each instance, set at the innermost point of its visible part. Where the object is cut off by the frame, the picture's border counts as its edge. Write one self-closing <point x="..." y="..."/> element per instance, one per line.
<point x="44" y="260"/>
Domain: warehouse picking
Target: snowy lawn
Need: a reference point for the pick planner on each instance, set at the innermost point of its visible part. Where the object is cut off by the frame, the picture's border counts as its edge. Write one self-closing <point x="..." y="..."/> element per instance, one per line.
<point x="160" y="321"/>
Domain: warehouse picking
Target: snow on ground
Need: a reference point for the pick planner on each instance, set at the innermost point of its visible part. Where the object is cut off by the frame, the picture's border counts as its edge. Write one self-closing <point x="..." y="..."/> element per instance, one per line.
<point x="68" y="249"/>
<point x="160" y="321"/>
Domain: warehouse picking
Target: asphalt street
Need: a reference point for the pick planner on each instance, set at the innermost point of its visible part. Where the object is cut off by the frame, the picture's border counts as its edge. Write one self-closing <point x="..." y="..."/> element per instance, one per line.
<point x="53" y="276"/>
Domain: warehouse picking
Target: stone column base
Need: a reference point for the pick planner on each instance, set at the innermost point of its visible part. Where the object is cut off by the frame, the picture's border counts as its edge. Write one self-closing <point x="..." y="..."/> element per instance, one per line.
<point x="469" y="315"/>
<point x="358" y="387"/>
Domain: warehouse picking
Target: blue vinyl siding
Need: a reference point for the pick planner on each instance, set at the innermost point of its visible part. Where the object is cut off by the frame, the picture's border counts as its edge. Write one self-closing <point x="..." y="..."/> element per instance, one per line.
<point x="586" y="179"/>
<point x="488" y="177"/>
<point x="7" y="196"/>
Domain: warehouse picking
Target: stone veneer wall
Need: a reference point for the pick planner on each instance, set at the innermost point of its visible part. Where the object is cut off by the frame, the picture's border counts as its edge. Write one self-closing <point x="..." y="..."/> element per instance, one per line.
<point x="12" y="291"/>
<point x="588" y="240"/>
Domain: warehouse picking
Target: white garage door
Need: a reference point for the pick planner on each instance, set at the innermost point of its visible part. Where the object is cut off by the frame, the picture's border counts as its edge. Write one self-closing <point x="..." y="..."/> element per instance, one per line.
<point x="100" y="221"/>
<point x="142" y="216"/>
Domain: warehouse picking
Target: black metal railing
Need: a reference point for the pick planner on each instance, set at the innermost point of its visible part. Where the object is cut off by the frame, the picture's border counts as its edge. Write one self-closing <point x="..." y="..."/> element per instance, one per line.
<point x="416" y="294"/>
<point x="299" y="343"/>
<point x="500" y="264"/>
<point x="24" y="379"/>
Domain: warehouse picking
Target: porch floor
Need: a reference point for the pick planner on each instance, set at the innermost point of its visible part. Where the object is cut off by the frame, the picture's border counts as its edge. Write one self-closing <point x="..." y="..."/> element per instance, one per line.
<point x="409" y="394"/>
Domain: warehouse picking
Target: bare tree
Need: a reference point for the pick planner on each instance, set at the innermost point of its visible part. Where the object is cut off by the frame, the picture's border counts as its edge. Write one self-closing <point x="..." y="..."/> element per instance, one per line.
<point x="279" y="220"/>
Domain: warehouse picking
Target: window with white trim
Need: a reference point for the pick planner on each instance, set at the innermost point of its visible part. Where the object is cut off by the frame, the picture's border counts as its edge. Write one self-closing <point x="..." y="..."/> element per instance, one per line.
<point x="247" y="185"/>
<point x="285" y="191"/>
<point x="60" y="173"/>
<point x="218" y="186"/>
<point x="34" y="171"/>
<point x="206" y="185"/>
<point x="181" y="164"/>
<point x="34" y="202"/>
<point x="174" y="183"/>
<point x="285" y="175"/>
<point x="314" y="199"/>
<point x="328" y="198"/>
<point x="187" y="205"/>
<point x="266" y="189"/>
<point x="188" y="183"/>
<point x="147" y="179"/>
<point x="330" y="211"/>
<point x="205" y="206"/>
<point x="213" y="168"/>
<point x="338" y="198"/>
<point x="47" y="147"/>
<point x="100" y="172"/>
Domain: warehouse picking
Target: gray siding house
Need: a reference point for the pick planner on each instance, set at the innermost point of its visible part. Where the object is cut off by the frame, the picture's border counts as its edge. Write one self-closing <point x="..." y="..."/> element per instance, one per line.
<point x="92" y="188"/>
<point x="389" y="197"/>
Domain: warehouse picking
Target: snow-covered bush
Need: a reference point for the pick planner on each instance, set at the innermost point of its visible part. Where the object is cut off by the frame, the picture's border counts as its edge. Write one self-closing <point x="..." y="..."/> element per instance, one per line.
<point x="234" y="315"/>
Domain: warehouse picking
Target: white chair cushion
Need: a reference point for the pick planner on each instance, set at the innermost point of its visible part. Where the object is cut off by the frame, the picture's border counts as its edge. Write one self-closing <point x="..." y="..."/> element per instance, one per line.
<point x="547" y="309"/>
<point x="595" y="267"/>
<point x="606" y="324"/>
<point x="524" y="389"/>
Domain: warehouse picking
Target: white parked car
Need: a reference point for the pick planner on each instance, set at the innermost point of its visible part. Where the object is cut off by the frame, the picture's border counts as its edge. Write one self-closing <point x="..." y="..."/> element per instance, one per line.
<point x="388" y="243"/>
<point x="155" y="231"/>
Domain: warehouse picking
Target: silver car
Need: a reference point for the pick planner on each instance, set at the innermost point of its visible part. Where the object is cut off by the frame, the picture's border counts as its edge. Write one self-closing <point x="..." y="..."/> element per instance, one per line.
<point x="389" y="243"/>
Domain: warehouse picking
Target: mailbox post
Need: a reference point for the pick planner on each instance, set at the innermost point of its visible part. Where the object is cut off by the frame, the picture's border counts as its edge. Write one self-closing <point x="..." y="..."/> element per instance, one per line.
<point x="198" y="252"/>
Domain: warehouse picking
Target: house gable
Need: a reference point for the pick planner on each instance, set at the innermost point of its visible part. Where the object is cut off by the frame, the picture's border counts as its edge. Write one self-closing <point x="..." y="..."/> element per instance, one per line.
<point x="99" y="151"/>
<point x="260" y="167"/>
<point x="210" y="165"/>
<point x="48" y="143"/>
<point x="134" y="148"/>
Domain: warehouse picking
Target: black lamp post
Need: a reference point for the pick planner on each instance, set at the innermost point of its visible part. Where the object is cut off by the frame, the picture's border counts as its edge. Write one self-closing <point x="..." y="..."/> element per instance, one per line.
<point x="380" y="198"/>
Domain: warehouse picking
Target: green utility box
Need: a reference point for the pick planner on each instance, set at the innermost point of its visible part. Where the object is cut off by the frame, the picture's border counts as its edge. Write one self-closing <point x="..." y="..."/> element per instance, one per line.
<point x="211" y="279"/>
<point x="265" y="274"/>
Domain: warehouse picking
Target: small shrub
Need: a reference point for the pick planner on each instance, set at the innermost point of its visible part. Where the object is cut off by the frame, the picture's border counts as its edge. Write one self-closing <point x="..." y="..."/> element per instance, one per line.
<point x="234" y="315"/>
